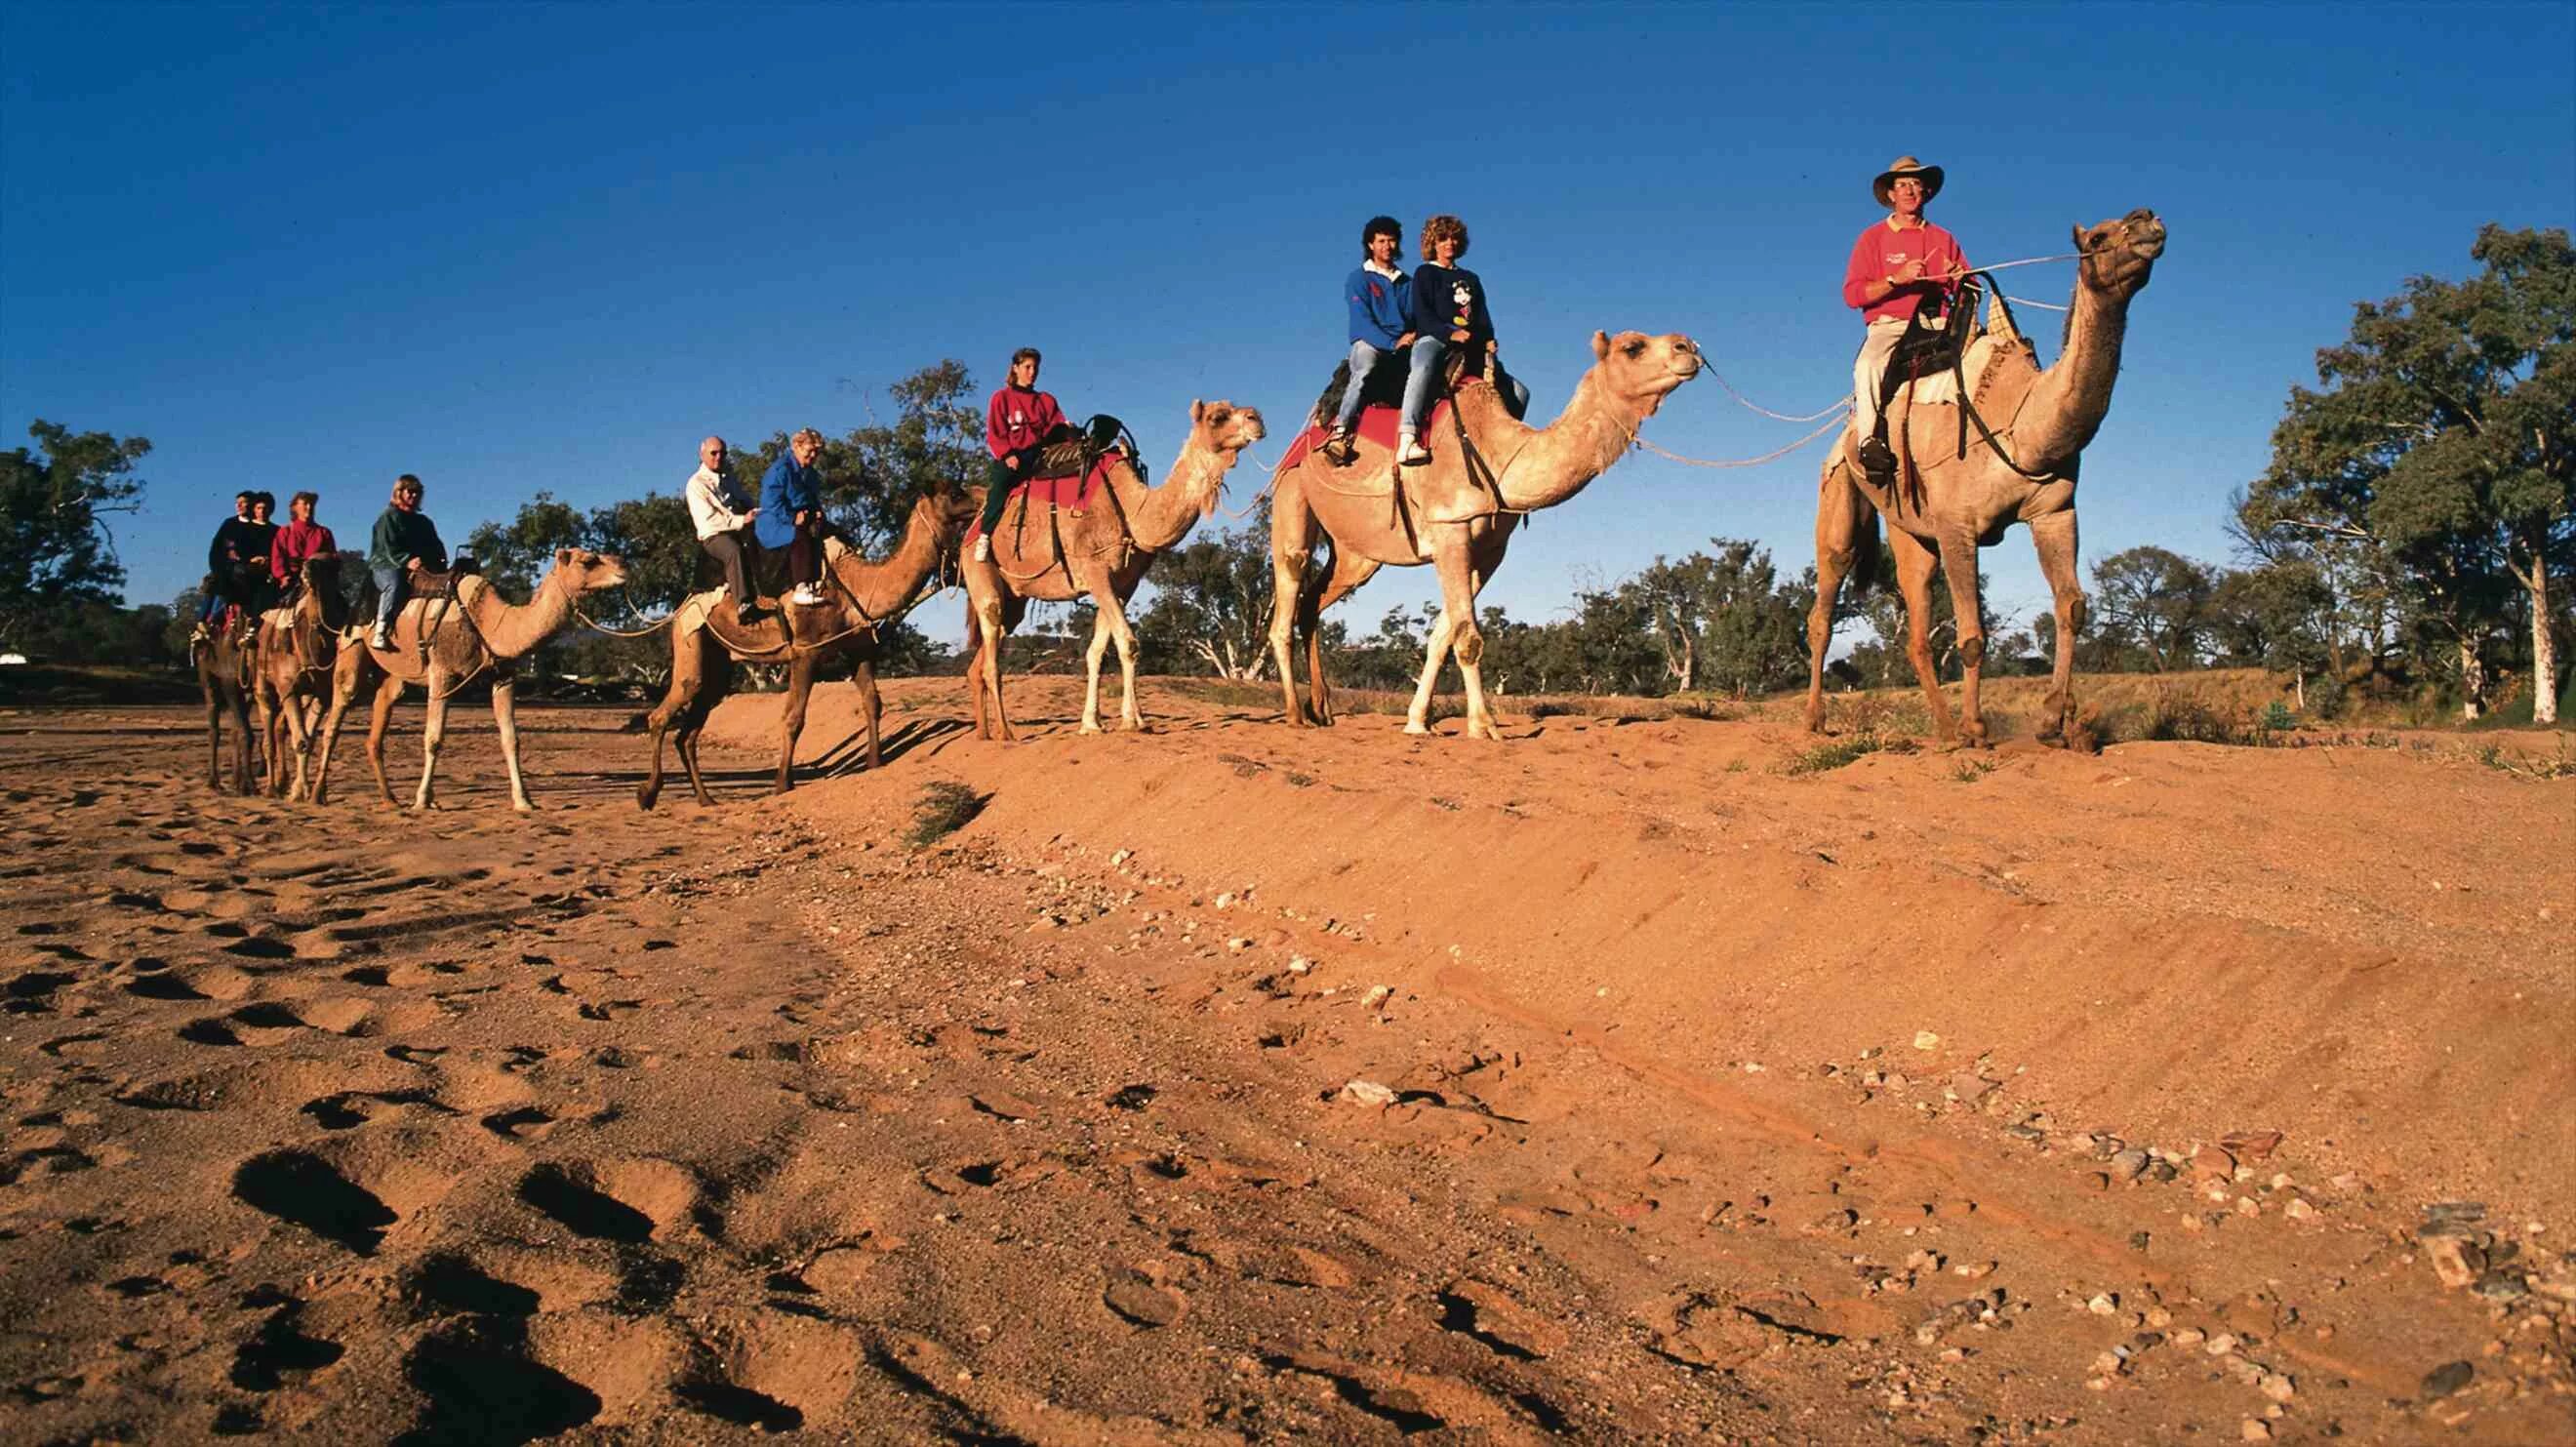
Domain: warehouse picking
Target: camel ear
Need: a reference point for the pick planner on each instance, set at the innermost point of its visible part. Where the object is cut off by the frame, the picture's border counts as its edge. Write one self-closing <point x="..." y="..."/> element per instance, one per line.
<point x="2079" y="236"/>
<point x="1600" y="346"/>
<point x="563" y="557"/>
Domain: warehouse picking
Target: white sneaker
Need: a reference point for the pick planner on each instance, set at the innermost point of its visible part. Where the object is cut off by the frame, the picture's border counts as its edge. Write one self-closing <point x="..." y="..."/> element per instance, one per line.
<point x="379" y="639"/>
<point x="1410" y="451"/>
<point x="805" y="596"/>
<point x="984" y="547"/>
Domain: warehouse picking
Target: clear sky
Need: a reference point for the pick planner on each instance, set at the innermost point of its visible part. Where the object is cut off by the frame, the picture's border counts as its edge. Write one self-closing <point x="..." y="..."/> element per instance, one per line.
<point x="523" y="247"/>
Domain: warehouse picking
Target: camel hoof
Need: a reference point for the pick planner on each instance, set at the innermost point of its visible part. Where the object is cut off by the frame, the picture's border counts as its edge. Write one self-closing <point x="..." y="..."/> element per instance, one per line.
<point x="1090" y="728"/>
<point x="1414" y="728"/>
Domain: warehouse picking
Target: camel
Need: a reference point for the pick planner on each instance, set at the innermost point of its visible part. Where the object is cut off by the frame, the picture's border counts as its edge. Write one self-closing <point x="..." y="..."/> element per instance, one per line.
<point x="224" y="672"/>
<point x="291" y="668"/>
<point x="866" y="595"/>
<point x="474" y="632"/>
<point x="1372" y="514"/>
<point x="1946" y="505"/>
<point x="1100" y="552"/>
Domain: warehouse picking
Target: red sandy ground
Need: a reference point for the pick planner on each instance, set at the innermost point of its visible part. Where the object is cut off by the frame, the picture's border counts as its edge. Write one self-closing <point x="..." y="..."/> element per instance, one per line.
<point x="1726" y="1102"/>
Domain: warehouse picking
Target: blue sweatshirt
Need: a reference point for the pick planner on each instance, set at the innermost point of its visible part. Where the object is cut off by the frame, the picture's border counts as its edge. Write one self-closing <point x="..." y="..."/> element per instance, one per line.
<point x="1442" y="295"/>
<point x="1380" y="307"/>
<point x="785" y="490"/>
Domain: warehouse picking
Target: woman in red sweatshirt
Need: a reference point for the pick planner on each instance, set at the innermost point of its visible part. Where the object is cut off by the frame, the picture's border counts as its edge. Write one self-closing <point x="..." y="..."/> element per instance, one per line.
<point x="1017" y="422"/>
<point x="300" y="539"/>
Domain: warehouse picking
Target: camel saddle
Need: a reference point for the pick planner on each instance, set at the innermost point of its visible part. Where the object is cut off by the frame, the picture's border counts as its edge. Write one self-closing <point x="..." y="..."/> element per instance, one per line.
<point x="1384" y="388"/>
<point x="1996" y="362"/>
<point x="1073" y="489"/>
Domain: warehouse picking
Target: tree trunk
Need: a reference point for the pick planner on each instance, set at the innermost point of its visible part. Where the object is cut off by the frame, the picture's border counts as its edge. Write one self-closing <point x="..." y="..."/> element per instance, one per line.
<point x="2473" y="679"/>
<point x="2544" y="648"/>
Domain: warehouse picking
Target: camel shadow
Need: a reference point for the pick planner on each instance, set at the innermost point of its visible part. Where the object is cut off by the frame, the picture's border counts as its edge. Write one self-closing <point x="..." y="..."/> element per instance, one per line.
<point x="849" y="756"/>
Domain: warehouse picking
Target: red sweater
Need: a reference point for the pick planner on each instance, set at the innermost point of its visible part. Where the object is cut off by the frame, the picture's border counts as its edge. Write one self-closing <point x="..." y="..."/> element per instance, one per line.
<point x="294" y="543"/>
<point x="1017" y="418"/>
<point x="1881" y="250"/>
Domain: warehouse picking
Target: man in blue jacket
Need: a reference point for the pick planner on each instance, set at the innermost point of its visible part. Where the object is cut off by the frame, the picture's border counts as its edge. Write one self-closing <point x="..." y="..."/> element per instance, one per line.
<point x="791" y="513"/>
<point x="1380" y="297"/>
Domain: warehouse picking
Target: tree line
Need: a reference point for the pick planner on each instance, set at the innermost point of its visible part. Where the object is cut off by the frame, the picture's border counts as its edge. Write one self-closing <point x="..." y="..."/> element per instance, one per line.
<point x="2411" y="531"/>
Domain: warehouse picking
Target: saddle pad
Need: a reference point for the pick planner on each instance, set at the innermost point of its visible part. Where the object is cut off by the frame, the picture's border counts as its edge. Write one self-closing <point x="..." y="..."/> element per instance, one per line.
<point x="1066" y="491"/>
<point x="1376" y="424"/>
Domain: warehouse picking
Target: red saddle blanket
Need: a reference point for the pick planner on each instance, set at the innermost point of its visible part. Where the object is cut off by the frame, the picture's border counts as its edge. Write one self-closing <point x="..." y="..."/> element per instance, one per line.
<point x="1377" y="424"/>
<point x="1065" y="490"/>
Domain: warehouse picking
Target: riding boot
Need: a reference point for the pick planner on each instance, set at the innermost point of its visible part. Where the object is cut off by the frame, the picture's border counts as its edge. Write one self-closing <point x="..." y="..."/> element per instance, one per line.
<point x="1877" y="459"/>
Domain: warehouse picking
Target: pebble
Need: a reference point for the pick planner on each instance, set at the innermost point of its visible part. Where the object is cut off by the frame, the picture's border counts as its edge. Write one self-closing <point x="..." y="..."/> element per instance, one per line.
<point x="1121" y="857"/>
<point x="2299" y="1209"/>
<point x="2447" y="1378"/>
<point x="2220" y="1345"/>
<point x="1377" y="996"/>
<point x="1298" y="965"/>
<point x="2129" y="1164"/>
<point x="2190" y="1336"/>
<point x="2278" y="1387"/>
<point x="2255" y="1430"/>
<point x="1926" y="1040"/>
<point x="2103" y="1304"/>
<point x="1368" y="1092"/>
<point x="2457" y="1262"/>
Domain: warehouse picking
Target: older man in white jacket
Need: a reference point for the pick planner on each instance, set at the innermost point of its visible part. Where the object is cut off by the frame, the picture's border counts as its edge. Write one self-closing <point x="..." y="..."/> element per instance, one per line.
<point x="723" y="518"/>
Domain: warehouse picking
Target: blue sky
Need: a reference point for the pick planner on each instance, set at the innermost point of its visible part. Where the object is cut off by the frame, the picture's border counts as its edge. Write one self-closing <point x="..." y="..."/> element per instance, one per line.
<point x="514" y="248"/>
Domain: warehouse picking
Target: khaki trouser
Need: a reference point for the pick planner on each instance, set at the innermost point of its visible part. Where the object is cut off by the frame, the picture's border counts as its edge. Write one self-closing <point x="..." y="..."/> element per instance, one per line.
<point x="1869" y="372"/>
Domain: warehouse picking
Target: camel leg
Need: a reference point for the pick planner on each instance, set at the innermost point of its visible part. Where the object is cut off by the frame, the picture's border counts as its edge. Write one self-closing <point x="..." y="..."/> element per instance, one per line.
<point x="300" y="728"/>
<point x="872" y="709"/>
<point x="1347" y="574"/>
<point x="347" y="673"/>
<point x="791" y="722"/>
<point x="2054" y="537"/>
<point x="1460" y="581"/>
<point x="687" y="665"/>
<point x="214" y="735"/>
<point x="974" y="651"/>
<point x="989" y="619"/>
<point x="1841" y="515"/>
<point x="1292" y="547"/>
<point x="1417" y="718"/>
<point x="433" y="732"/>
<point x="1915" y="562"/>
<point x="715" y="686"/>
<point x="388" y="693"/>
<point x="1959" y="567"/>
<point x="1091" y="656"/>
<point x="505" y="716"/>
<point x="264" y="715"/>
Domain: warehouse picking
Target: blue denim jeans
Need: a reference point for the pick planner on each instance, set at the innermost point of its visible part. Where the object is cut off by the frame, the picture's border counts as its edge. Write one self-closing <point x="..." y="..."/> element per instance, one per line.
<point x="1364" y="360"/>
<point x="389" y="593"/>
<point x="1428" y="353"/>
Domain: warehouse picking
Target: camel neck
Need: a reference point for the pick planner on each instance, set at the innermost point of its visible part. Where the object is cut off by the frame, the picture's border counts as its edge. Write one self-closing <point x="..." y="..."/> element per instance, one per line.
<point x="883" y="589"/>
<point x="2071" y="398"/>
<point x="1161" y="516"/>
<point x="1555" y="464"/>
<point x="510" y="630"/>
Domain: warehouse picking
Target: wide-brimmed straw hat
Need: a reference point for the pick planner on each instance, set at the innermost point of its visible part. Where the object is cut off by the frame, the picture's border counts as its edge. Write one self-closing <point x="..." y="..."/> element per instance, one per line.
<point x="1901" y="167"/>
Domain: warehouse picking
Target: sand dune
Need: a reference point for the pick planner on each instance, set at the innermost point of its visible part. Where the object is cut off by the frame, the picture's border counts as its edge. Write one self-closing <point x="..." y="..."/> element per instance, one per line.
<point x="1229" y="1083"/>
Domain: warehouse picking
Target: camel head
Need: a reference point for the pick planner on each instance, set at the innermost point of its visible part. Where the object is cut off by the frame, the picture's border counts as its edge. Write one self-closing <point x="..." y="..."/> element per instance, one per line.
<point x="1224" y="429"/>
<point x="321" y="577"/>
<point x="2118" y="255"/>
<point x="579" y="570"/>
<point x="946" y="510"/>
<point x="1639" y="370"/>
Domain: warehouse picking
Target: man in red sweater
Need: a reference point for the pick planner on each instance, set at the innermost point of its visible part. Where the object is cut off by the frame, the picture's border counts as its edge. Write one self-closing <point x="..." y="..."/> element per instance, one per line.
<point x="1900" y="265"/>
<point x="300" y="539"/>
<point x="1017" y="422"/>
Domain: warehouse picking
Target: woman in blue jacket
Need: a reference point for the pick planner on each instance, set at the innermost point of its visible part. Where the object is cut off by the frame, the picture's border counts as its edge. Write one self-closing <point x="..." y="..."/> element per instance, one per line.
<point x="791" y="513"/>
<point x="1449" y="315"/>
